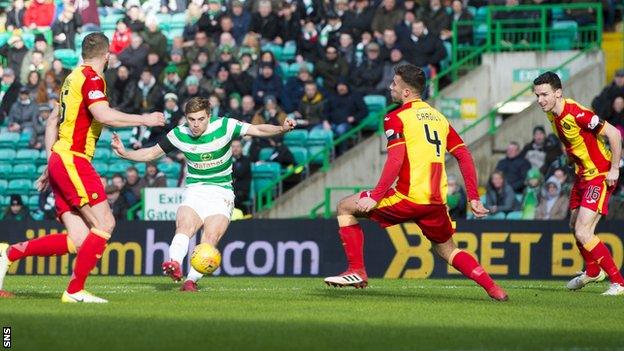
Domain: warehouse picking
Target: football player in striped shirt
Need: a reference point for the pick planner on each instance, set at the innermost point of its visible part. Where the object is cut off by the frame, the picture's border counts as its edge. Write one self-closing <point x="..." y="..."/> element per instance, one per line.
<point x="208" y="199"/>
<point x="418" y="138"/>
<point x="597" y="170"/>
<point x="70" y="137"/>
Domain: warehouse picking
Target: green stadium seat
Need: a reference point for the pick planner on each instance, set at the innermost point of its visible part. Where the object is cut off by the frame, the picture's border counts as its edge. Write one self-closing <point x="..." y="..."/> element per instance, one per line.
<point x="4" y="184"/>
<point x="299" y="153"/>
<point x="102" y="154"/>
<point x="375" y="104"/>
<point x="20" y="186"/>
<point x="140" y="166"/>
<point x="285" y="70"/>
<point x="4" y="200"/>
<point x="172" y="183"/>
<point x="514" y="215"/>
<point x="519" y="198"/>
<point x="5" y="169"/>
<point x="43" y="158"/>
<point x="178" y="21"/>
<point x="118" y="167"/>
<point x="480" y="33"/>
<point x="24" y="139"/>
<point x="275" y="49"/>
<point x="498" y="216"/>
<point x="68" y="57"/>
<point x="25" y="171"/>
<point x="315" y="155"/>
<point x="100" y="167"/>
<point x="33" y="202"/>
<point x="265" y="153"/>
<point x="7" y="155"/>
<point x="26" y="156"/>
<point x="41" y="168"/>
<point x="563" y="35"/>
<point x="290" y="51"/>
<point x="164" y="21"/>
<point x="29" y="40"/>
<point x="264" y="173"/>
<point x="125" y="135"/>
<point x="105" y="138"/>
<point x="294" y="68"/>
<point x="472" y="10"/>
<point x="171" y="170"/>
<point x="9" y="140"/>
<point x="444" y="64"/>
<point x="4" y="38"/>
<point x="320" y="136"/>
<point x="109" y="22"/>
<point x="297" y="137"/>
<point x="557" y="13"/>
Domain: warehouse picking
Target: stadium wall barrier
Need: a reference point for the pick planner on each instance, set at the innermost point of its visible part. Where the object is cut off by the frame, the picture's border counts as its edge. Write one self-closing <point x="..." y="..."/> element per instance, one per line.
<point x="510" y="249"/>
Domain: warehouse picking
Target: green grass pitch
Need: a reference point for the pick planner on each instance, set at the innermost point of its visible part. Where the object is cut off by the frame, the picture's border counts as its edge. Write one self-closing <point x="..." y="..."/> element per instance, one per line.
<point x="148" y="313"/>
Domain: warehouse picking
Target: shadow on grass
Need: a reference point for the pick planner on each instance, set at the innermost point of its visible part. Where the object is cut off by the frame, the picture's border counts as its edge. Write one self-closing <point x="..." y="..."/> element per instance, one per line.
<point x="442" y="295"/>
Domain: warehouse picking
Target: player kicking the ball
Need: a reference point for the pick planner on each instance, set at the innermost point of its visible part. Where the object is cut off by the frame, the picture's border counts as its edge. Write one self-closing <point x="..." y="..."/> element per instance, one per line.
<point x="597" y="171"/>
<point x="70" y="139"/>
<point x="208" y="199"/>
<point x="418" y="137"/>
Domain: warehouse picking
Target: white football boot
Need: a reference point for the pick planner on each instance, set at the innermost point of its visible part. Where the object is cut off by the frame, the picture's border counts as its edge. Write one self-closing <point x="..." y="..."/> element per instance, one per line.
<point x="81" y="296"/>
<point x="614" y="289"/>
<point x="355" y="278"/>
<point x="583" y="279"/>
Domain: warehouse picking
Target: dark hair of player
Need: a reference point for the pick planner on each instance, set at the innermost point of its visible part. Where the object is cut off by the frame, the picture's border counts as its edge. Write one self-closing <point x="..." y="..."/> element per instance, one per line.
<point x="412" y="75"/>
<point x="94" y="45"/>
<point x="197" y="104"/>
<point x="550" y="78"/>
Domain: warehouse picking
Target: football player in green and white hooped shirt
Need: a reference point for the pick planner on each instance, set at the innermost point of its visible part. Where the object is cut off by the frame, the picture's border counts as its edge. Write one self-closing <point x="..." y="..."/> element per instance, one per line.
<point x="208" y="199"/>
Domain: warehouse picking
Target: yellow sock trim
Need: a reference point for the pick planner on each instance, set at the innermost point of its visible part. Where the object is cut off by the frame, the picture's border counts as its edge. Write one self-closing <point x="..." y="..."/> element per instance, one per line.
<point x="346" y="220"/>
<point x="452" y="256"/>
<point x="102" y="234"/>
<point x="591" y="244"/>
<point x="70" y="246"/>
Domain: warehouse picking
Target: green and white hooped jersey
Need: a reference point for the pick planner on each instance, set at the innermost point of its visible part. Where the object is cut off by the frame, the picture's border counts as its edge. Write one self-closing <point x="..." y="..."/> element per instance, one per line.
<point x="209" y="157"/>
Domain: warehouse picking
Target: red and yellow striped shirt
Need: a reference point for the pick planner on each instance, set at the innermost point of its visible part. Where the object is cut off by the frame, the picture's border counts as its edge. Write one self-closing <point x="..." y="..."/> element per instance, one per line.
<point x="578" y="129"/>
<point x="78" y="130"/>
<point x="427" y="136"/>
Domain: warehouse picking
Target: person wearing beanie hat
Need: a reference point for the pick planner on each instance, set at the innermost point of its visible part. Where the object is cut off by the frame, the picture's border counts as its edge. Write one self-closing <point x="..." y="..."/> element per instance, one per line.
<point x="39" y="126"/>
<point x="16" y="211"/>
<point x="553" y="204"/>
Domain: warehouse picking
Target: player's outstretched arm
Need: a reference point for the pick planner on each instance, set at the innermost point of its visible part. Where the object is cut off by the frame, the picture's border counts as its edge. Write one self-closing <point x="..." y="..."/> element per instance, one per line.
<point x="141" y="155"/>
<point x="103" y="113"/>
<point x="268" y="130"/>
<point x="615" y="143"/>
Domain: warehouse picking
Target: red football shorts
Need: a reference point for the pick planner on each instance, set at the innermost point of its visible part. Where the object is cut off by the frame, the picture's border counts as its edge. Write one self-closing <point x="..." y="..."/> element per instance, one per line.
<point x="592" y="194"/>
<point x="433" y="220"/>
<point x="74" y="182"/>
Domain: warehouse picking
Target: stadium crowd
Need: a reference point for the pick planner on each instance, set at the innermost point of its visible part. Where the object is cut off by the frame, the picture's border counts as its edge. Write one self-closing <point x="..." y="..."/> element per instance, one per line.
<point x="343" y="50"/>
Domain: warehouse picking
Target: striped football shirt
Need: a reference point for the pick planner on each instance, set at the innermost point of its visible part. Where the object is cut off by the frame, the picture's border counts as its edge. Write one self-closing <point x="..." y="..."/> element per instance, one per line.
<point x="208" y="156"/>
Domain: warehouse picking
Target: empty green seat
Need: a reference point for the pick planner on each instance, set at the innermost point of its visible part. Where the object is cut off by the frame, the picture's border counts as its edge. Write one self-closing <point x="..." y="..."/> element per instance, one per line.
<point x="7" y="155"/>
<point x="297" y="137"/>
<point x="24" y="139"/>
<point x="68" y="57"/>
<point x="140" y="166"/>
<point x="315" y="154"/>
<point x="320" y="137"/>
<point x="171" y="170"/>
<point x="514" y="215"/>
<point x="118" y="167"/>
<point x="26" y="156"/>
<point x="27" y="170"/>
<point x="5" y="169"/>
<point x="101" y="168"/>
<point x="300" y="154"/>
<point x="563" y="35"/>
<point x="19" y="186"/>
<point x="172" y="183"/>
<point x="265" y="153"/>
<point x="33" y="202"/>
<point x="3" y="186"/>
<point x="290" y="51"/>
<point x="9" y="140"/>
<point x="102" y="154"/>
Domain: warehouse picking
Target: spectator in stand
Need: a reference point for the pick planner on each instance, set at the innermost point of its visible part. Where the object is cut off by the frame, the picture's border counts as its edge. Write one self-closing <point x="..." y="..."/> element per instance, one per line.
<point x="65" y="28"/>
<point x="15" y="16"/>
<point x="241" y="81"/>
<point x="241" y="175"/>
<point x="530" y="197"/>
<point x="42" y="46"/>
<point x="344" y="109"/>
<point x="122" y="93"/>
<point x="191" y="84"/>
<point x="294" y="89"/>
<point x="234" y="106"/>
<point x="564" y="180"/>
<point x="225" y="57"/>
<point x="438" y="21"/>
<point x="346" y="48"/>
<point x="226" y="26"/>
<point x="396" y="59"/>
<point x="47" y="204"/>
<point x="308" y="43"/>
<point x="464" y="32"/>
<point x="368" y="74"/>
<point x="359" y="19"/>
<point x="265" y="23"/>
<point x="171" y="81"/>
<point x="121" y="37"/>
<point x="514" y="167"/>
<point x="331" y="68"/>
<point x="616" y="114"/>
<point x="49" y="85"/>
<point x="535" y="151"/>
<point x="59" y="71"/>
<point x="119" y="181"/>
<point x="205" y="84"/>
<point x="134" y="19"/>
<point x="240" y="19"/>
<point x="216" y="109"/>
<point x="9" y="91"/>
<point x="581" y="15"/>
<point x="311" y="111"/>
<point x="153" y="37"/>
<point x="603" y="102"/>
<point x="456" y="199"/>
<point x="404" y="28"/>
<point x="313" y="10"/>
<point x="135" y="56"/>
<point x="110" y="74"/>
<point x="149" y="94"/>
<point x="271" y="113"/>
<point x="14" y="51"/>
<point x="289" y="23"/>
<point x="267" y="83"/>
<point x="330" y="34"/>
<point x="37" y="65"/>
<point x="39" y="125"/>
<point x="155" y="64"/>
<point x="153" y="178"/>
<point x="118" y="203"/>
<point x="387" y="16"/>
<point x="23" y="112"/>
<point x="175" y="6"/>
<point x="209" y="20"/>
<point x="201" y="43"/>
<point x="389" y="43"/>
<point x="251" y="46"/>
<point x="180" y="63"/>
<point x="499" y="196"/>
<point x="132" y="185"/>
<point x="421" y="48"/>
<point x="553" y="203"/>
<point x="32" y="84"/>
<point x="248" y="108"/>
<point x="173" y="114"/>
<point x="40" y="13"/>
<point x="193" y="14"/>
<point x="16" y="211"/>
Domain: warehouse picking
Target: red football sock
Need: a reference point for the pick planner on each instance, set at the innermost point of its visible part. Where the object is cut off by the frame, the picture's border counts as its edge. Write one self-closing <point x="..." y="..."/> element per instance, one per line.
<point x="353" y="241"/>
<point x="49" y="245"/>
<point x="88" y="256"/>
<point x="600" y="253"/>
<point x="470" y="268"/>
<point x="592" y="269"/>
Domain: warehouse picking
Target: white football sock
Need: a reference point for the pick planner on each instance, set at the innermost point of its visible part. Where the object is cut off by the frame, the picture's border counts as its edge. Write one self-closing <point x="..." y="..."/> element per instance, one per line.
<point x="194" y="275"/>
<point x="179" y="247"/>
